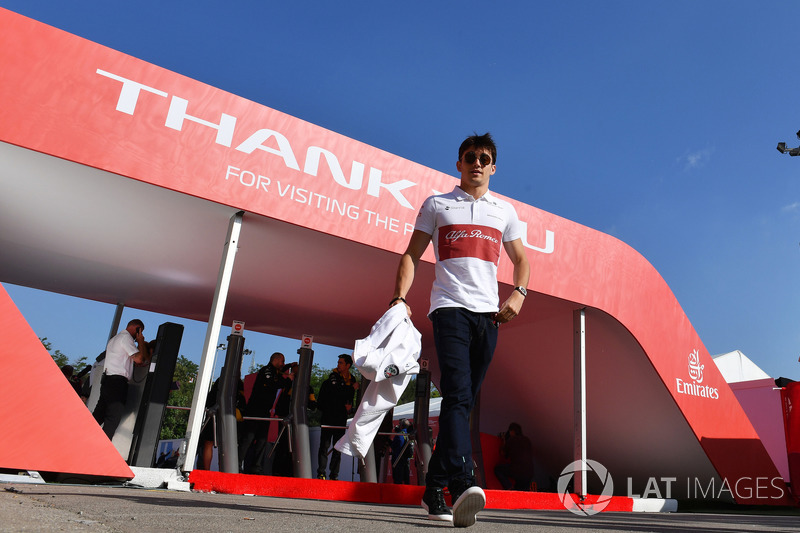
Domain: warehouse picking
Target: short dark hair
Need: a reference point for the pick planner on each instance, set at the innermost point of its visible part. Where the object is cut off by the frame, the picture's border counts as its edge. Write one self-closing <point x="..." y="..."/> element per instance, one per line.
<point x="347" y="359"/>
<point x="275" y="356"/>
<point x="516" y="428"/>
<point x="479" y="141"/>
<point x="136" y="322"/>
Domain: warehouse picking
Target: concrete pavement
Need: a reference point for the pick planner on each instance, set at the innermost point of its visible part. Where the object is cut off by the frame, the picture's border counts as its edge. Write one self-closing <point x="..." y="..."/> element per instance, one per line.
<point x="58" y="507"/>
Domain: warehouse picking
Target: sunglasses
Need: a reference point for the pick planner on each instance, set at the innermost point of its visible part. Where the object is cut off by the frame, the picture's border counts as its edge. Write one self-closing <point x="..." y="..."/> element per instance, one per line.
<point x="471" y="157"/>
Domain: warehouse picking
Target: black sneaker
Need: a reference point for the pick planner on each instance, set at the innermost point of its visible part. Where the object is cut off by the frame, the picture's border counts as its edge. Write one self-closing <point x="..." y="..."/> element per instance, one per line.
<point x="467" y="505"/>
<point x="433" y="502"/>
<point x="456" y="488"/>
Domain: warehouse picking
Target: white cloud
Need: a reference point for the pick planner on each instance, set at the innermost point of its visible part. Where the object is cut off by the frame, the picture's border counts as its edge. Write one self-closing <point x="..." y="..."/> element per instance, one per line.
<point x="791" y="208"/>
<point x="695" y="159"/>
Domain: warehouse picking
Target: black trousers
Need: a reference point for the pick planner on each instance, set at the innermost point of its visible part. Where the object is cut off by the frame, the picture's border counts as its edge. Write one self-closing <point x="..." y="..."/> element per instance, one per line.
<point x="465" y="343"/>
<point x="328" y="437"/>
<point x="111" y="404"/>
<point x="253" y="439"/>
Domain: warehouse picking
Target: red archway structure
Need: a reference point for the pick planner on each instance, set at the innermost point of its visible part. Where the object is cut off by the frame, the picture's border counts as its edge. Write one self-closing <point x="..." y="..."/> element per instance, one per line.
<point x="104" y="155"/>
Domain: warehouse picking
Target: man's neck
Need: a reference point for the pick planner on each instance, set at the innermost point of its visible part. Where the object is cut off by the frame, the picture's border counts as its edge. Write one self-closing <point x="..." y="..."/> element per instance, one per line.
<point x="475" y="192"/>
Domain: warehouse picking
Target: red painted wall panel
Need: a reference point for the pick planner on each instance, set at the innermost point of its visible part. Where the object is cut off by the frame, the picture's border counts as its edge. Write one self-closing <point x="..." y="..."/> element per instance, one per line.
<point x="46" y="426"/>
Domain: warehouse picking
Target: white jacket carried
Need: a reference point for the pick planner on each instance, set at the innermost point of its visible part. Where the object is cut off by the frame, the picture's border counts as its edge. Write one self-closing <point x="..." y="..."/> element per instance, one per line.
<point x="388" y="358"/>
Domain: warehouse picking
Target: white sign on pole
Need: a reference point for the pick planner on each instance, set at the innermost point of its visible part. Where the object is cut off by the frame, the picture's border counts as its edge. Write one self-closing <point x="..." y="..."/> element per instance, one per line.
<point x="307" y="342"/>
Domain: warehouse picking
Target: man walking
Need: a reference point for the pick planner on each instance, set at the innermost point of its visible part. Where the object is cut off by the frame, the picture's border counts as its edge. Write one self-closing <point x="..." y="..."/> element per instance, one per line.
<point x="468" y="227"/>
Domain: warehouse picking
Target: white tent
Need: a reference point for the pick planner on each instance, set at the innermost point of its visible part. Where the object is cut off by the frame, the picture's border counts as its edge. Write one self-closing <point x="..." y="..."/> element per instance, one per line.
<point x="407" y="409"/>
<point x="737" y="367"/>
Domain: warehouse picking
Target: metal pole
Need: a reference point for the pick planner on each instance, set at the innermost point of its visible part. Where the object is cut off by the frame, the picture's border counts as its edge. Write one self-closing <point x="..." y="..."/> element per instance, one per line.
<point x="366" y="467"/>
<point x="227" y="392"/>
<point x="206" y="368"/>
<point x="367" y="472"/>
<point x="301" y="448"/>
<point x="116" y="320"/>
<point x="579" y="398"/>
<point x="475" y="437"/>
<point x="384" y="445"/>
<point x="422" y="401"/>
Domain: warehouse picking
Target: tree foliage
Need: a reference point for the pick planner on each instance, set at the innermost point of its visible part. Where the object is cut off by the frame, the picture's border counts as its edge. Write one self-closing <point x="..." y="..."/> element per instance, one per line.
<point x="62" y="359"/>
<point x="411" y="391"/>
<point x="318" y="375"/>
<point x="175" y="420"/>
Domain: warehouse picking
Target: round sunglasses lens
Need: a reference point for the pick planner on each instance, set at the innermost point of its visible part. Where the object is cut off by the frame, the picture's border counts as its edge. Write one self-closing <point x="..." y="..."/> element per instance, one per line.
<point x="471" y="157"/>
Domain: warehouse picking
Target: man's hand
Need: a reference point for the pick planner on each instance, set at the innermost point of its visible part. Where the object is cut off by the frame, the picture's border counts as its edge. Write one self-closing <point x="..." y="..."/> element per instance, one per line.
<point x="145" y="353"/>
<point x="510" y="308"/>
<point x="401" y="302"/>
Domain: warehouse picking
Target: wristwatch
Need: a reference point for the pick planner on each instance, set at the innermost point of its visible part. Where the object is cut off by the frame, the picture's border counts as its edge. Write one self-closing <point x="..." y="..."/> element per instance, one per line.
<point x="522" y="290"/>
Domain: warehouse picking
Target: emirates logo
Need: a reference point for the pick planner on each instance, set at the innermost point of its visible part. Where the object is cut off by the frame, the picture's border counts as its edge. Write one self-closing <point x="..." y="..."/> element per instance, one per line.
<point x="694" y="387"/>
<point x="695" y="368"/>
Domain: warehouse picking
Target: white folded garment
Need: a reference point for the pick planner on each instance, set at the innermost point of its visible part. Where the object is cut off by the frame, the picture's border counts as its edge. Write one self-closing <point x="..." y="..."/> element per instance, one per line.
<point x="388" y="358"/>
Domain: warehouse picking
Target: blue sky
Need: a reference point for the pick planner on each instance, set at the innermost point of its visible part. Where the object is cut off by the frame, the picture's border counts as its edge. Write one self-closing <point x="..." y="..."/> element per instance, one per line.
<point x="655" y="122"/>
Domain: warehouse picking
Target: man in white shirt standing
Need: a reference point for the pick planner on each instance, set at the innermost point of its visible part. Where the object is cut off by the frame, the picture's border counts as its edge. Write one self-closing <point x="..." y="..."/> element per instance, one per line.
<point x="126" y="349"/>
<point x="468" y="226"/>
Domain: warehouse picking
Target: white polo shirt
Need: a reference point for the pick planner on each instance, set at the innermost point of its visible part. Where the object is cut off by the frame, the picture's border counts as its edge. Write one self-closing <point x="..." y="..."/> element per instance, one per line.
<point x="468" y="237"/>
<point x="118" y="355"/>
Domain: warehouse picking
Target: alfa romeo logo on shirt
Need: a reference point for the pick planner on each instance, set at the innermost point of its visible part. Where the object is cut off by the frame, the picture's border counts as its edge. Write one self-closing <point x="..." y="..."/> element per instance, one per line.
<point x="390" y="371"/>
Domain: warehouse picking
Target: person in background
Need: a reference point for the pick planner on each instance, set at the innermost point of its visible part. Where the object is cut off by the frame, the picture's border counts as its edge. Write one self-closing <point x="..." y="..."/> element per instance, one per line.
<point x="282" y="463"/>
<point x="335" y="399"/>
<point x="518" y="450"/>
<point x="207" y="436"/>
<point x="402" y="452"/>
<point x="270" y="380"/>
<point x="126" y="349"/>
<point x="76" y="381"/>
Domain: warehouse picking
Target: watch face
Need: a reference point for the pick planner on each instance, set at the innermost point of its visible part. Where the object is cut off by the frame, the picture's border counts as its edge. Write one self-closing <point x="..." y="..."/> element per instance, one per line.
<point x="522" y="290"/>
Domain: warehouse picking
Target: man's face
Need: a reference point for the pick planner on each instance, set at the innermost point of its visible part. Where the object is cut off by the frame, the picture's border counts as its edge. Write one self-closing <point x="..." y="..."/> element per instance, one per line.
<point x="476" y="173"/>
<point x="278" y="362"/>
<point x="342" y="366"/>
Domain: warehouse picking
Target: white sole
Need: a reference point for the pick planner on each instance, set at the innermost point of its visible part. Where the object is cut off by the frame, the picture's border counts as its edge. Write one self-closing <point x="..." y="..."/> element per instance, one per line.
<point x="467" y="507"/>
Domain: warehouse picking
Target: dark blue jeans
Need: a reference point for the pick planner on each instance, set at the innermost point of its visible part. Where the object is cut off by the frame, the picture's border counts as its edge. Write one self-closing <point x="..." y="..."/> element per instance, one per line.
<point x="465" y="343"/>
